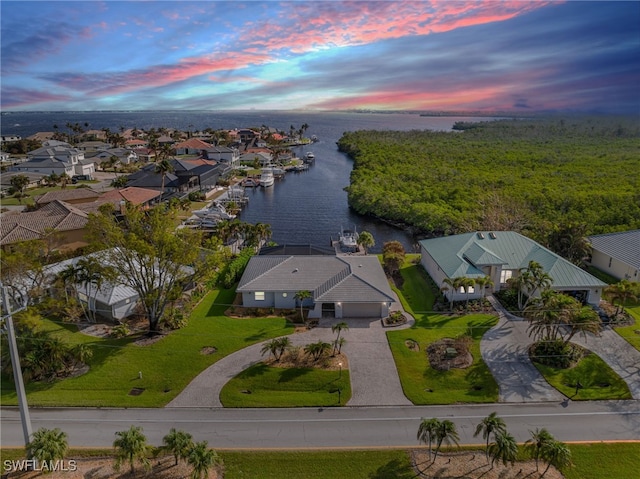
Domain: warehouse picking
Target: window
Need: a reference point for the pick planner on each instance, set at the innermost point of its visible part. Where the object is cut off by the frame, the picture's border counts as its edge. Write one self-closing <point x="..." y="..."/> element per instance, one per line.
<point x="505" y="274"/>
<point x="259" y="295"/>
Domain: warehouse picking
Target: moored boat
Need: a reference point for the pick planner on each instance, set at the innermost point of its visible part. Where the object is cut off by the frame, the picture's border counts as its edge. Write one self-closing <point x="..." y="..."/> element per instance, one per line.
<point x="266" y="177"/>
<point x="309" y="157"/>
<point x="348" y="238"/>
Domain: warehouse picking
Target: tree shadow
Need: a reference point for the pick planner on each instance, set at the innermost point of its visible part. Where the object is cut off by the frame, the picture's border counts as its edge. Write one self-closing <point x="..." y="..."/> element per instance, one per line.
<point x="291" y="374"/>
<point x="254" y="371"/>
<point x="393" y="469"/>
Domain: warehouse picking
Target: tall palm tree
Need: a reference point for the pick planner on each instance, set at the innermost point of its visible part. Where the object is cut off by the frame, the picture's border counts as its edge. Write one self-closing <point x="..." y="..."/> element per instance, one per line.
<point x="179" y="443"/>
<point x="555" y="453"/>
<point x="483" y="282"/>
<point x="539" y="440"/>
<point x="621" y="292"/>
<point x="503" y="448"/>
<point x="366" y="240"/>
<point x="202" y="459"/>
<point x="301" y="296"/>
<point x="445" y="432"/>
<point x="164" y="167"/>
<point x="452" y="284"/>
<point x="467" y="284"/>
<point x="492" y="424"/>
<point x="131" y="446"/>
<point x="48" y="445"/>
<point x="338" y="328"/>
<point x="536" y="278"/>
<point x="427" y="431"/>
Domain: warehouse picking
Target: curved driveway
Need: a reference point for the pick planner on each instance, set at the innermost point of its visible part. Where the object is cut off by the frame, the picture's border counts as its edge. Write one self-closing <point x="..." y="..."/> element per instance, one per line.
<point x="374" y="378"/>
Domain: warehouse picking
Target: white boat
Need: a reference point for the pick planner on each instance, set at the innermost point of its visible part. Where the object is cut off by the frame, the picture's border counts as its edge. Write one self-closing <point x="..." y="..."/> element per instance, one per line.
<point x="266" y="177"/>
<point x="349" y="238"/>
<point x="215" y="212"/>
<point x="309" y="157"/>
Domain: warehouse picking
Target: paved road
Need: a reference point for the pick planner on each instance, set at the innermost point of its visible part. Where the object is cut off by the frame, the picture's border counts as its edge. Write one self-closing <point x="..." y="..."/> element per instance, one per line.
<point x="330" y="427"/>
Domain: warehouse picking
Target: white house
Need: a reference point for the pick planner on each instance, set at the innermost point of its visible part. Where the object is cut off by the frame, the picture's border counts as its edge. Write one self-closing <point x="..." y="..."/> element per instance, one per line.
<point x="501" y="255"/>
<point x="57" y="159"/>
<point x="617" y="254"/>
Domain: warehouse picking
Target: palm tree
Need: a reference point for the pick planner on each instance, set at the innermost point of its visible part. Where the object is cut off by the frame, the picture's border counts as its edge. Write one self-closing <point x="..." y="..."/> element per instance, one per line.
<point x="622" y="292"/>
<point x="555" y="453"/>
<point x="316" y="350"/>
<point x="19" y="183"/>
<point x="340" y="342"/>
<point x="338" y="327"/>
<point x="483" y="282"/>
<point x="452" y="285"/>
<point x="48" y="445"/>
<point x="179" y="443"/>
<point x="535" y="279"/>
<point x="467" y="284"/>
<point x="301" y="296"/>
<point x="539" y="440"/>
<point x="445" y="432"/>
<point x="283" y="344"/>
<point x="131" y="446"/>
<point x="271" y="347"/>
<point x="583" y="320"/>
<point x="427" y="431"/>
<point x="366" y="240"/>
<point x="492" y="424"/>
<point x="201" y="459"/>
<point x="163" y="167"/>
<point x="504" y="448"/>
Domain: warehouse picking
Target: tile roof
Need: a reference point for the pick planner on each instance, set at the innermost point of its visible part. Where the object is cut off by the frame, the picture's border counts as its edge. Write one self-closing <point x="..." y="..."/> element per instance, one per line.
<point x="623" y="246"/>
<point x="57" y="215"/>
<point x="465" y="254"/>
<point x="330" y="278"/>
<point x="192" y="143"/>
<point x="67" y="194"/>
<point x="132" y="194"/>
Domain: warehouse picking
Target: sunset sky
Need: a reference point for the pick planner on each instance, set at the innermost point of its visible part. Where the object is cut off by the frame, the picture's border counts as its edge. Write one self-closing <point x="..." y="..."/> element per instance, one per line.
<point x="321" y="55"/>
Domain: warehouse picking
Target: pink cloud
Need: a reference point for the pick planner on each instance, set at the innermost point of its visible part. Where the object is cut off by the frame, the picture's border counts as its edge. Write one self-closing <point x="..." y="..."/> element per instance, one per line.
<point x="20" y="97"/>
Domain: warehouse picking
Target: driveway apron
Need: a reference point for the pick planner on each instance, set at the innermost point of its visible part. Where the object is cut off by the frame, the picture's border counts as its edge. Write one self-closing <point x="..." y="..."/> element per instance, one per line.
<point x="504" y="350"/>
<point x="623" y="358"/>
<point x="374" y="378"/>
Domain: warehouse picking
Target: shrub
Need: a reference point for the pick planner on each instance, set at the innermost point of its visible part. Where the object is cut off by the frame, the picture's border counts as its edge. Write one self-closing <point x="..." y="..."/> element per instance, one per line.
<point x="556" y="354"/>
<point x="120" y="331"/>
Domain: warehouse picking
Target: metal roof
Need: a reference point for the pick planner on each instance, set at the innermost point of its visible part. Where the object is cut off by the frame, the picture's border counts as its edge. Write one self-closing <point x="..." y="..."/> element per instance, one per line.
<point x="465" y="254"/>
<point x="623" y="246"/>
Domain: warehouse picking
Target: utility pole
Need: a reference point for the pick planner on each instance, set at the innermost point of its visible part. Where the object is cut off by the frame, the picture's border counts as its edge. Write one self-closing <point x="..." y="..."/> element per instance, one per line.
<point x="15" y="363"/>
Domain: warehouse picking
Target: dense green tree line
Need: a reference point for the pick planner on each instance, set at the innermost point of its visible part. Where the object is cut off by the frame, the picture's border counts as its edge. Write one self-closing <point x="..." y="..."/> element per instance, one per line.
<point x="523" y="175"/>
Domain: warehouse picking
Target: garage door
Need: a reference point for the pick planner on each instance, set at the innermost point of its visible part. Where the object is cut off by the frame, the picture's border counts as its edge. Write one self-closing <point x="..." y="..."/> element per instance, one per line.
<point x="361" y="310"/>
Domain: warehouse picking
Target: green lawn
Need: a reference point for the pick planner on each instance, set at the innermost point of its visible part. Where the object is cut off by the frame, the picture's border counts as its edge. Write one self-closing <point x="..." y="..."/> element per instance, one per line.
<point x="318" y="465"/>
<point x="167" y="366"/>
<point x="421" y="383"/>
<point x="599" y="381"/>
<point x="604" y="460"/>
<point x="631" y="333"/>
<point x="286" y="387"/>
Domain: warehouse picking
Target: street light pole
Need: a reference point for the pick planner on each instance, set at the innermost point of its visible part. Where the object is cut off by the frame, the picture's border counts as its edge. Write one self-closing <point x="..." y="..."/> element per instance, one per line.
<point x="17" y="370"/>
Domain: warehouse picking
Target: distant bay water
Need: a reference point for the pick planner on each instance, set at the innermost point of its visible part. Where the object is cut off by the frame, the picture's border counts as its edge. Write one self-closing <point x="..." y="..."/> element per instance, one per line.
<point x="303" y="208"/>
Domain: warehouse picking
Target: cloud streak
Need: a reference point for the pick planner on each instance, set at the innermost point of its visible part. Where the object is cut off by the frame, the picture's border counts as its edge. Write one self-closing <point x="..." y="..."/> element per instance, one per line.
<point x="322" y="54"/>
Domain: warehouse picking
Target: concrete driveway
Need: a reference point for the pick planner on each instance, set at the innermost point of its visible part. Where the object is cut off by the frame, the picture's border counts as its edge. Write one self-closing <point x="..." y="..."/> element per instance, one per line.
<point x="374" y="378"/>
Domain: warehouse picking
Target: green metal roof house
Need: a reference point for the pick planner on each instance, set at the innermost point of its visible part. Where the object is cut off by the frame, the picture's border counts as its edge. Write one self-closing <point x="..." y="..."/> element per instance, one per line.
<point x="617" y="254"/>
<point x="341" y="286"/>
<point x="500" y="255"/>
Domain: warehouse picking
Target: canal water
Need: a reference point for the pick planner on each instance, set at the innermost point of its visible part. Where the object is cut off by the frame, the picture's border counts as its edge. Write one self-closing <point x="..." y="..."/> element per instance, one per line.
<point x="309" y="207"/>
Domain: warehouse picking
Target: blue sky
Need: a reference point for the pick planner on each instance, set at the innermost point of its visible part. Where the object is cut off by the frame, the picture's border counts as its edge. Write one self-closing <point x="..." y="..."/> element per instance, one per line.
<point x="321" y="55"/>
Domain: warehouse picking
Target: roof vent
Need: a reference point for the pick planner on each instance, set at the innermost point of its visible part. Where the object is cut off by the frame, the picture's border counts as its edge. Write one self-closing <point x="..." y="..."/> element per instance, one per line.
<point x="295" y="270"/>
<point x="480" y="235"/>
<point x="492" y="235"/>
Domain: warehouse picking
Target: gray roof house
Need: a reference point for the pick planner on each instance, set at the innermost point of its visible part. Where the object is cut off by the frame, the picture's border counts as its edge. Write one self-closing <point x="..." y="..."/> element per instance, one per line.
<point x="617" y="254"/>
<point x="341" y="286"/>
<point x="500" y="255"/>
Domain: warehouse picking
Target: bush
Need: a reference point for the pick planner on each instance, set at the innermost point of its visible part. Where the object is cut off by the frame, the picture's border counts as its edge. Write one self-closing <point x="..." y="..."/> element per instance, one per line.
<point x="196" y="196"/>
<point x="556" y="354"/>
<point x="120" y="331"/>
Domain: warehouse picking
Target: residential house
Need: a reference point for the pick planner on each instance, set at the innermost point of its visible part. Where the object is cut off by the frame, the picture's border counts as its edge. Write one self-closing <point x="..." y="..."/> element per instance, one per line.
<point x="93" y="145"/>
<point x="501" y="255"/>
<point x="617" y="254"/>
<point x="72" y="196"/>
<point x="35" y="179"/>
<point x="66" y="220"/>
<point x="143" y="197"/>
<point x="59" y="159"/>
<point x="224" y="155"/>
<point x="125" y="156"/>
<point x="340" y="286"/>
<point x="263" y="158"/>
<point x="192" y="146"/>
